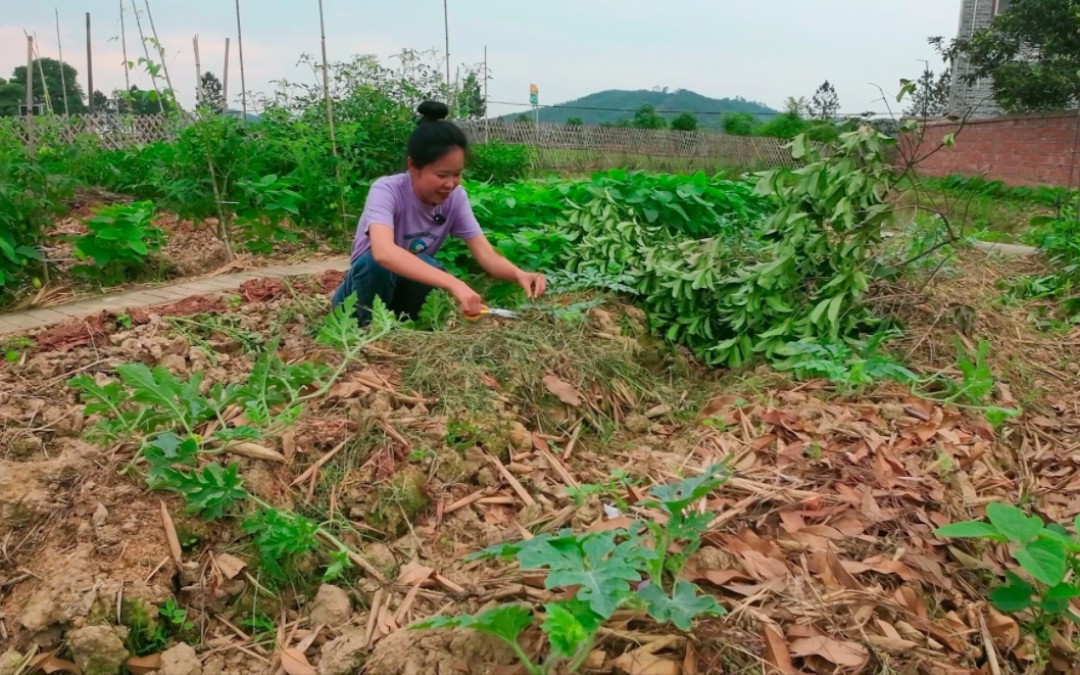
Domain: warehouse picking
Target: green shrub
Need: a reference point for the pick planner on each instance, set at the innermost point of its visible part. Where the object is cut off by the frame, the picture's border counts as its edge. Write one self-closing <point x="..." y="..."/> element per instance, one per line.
<point x="499" y="163"/>
<point x="119" y="241"/>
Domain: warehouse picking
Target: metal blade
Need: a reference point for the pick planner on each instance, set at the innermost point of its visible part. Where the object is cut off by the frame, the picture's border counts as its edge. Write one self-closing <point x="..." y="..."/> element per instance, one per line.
<point x="504" y="313"/>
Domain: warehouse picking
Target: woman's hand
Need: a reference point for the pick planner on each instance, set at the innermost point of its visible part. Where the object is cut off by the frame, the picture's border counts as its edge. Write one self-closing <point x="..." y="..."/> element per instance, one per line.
<point x="534" y="284"/>
<point x="468" y="299"/>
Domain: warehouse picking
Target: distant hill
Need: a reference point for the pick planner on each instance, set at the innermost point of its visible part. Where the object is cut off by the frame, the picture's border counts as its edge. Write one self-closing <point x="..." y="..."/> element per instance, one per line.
<point x="607" y="106"/>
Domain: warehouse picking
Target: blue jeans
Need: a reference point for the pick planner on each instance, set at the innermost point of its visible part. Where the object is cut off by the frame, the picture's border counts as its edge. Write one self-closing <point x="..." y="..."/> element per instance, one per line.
<point x="369" y="280"/>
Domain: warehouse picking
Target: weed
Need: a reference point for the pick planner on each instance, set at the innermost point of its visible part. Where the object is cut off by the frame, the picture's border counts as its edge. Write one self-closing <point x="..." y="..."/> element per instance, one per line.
<point x="169" y="418"/>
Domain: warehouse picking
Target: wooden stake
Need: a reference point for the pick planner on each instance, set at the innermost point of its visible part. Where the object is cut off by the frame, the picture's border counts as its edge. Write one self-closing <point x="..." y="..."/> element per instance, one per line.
<point x="29" y="76"/>
<point x="330" y="120"/>
<point x="89" y="69"/>
<point x="487" y="118"/>
<point x="198" y="72"/>
<point x="225" y="78"/>
<point x="446" y="30"/>
<point x="240" y="50"/>
<point x="123" y="43"/>
<point x="60" y="49"/>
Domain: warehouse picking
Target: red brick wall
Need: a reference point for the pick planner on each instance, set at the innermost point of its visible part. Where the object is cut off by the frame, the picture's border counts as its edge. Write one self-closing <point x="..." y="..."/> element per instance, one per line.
<point x="1017" y="150"/>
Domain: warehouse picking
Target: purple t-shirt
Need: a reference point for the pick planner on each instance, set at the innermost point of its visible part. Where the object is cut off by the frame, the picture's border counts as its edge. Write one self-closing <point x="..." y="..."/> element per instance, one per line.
<point x="392" y="202"/>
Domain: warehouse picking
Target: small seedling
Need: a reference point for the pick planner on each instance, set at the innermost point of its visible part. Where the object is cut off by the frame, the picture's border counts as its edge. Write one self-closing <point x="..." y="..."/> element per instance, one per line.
<point x="610" y="570"/>
<point x="1047" y="554"/>
<point x="125" y="321"/>
<point x="15" y="347"/>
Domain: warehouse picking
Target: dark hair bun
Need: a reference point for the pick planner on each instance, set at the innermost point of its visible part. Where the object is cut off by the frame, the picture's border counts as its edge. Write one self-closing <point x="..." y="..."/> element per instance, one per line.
<point x="433" y="111"/>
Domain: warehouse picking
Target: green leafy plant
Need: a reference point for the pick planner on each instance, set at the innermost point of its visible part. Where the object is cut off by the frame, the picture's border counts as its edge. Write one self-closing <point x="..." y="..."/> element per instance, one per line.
<point x="15" y="347"/>
<point x="169" y="418"/>
<point x="851" y="365"/>
<point x="609" y="570"/>
<point x="281" y="538"/>
<point x="1046" y="553"/>
<point x="975" y="388"/>
<point x="120" y="239"/>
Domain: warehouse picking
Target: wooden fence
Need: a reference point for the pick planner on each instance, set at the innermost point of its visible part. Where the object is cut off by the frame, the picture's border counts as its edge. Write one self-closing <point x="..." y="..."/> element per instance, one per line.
<point x="557" y="147"/>
<point x="110" y="131"/>
<point x="586" y="148"/>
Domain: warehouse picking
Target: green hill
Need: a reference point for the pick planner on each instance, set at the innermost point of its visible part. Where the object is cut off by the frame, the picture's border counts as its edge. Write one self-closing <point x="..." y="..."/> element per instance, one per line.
<point x="613" y="104"/>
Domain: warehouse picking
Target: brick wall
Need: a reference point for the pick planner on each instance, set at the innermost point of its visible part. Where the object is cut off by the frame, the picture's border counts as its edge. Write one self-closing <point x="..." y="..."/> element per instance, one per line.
<point x="1018" y="149"/>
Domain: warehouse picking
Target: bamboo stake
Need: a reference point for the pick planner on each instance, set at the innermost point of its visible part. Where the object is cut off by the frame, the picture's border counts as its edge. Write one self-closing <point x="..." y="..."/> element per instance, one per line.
<point x="146" y="53"/>
<point x="60" y="49"/>
<point x="198" y="72"/>
<point x="29" y="77"/>
<point x="89" y="69"/>
<point x="161" y="51"/>
<point x="240" y="49"/>
<point x="123" y="44"/>
<point x="330" y="117"/>
<point x="41" y="74"/>
<point x="225" y="79"/>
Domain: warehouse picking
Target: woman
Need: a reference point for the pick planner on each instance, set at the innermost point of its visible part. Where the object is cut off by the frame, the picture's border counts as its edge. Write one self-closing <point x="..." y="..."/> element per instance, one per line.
<point x="408" y="216"/>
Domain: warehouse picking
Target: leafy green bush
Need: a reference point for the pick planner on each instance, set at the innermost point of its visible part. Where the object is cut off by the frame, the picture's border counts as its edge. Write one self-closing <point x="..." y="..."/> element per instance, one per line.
<point x="499" y="163"/>
<point x="119" y="241"/>
<point x="29" y="196"/>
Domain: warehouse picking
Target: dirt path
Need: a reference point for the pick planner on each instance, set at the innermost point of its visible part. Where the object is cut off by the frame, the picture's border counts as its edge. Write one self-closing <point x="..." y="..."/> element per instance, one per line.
<point x="18" y="322"/>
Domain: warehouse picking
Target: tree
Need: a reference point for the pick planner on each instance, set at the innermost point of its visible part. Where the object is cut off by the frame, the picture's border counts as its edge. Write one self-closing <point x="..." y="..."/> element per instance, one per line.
<point x="931" y="95"/>
<point x="524" y="118"/>
<point x="54" y="84"/>
<point x="101" y="103"/>
<point x="12" y="95"/>
<point x="470" y="100"/>
<point x="1031" y="53"/>
<point x="574" y="122"/>
<point x="684" y="122"/>
<point x="646" y="117"/>
<point x="797" y="106"/>
<point x="738" y="124"/>
<point x="212" y="99"/>
<point x="826" y="103"/>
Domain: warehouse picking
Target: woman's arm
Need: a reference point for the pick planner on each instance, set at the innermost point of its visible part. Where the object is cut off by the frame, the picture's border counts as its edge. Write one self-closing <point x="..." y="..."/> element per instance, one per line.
<point x="399" y="261"/>
<point x="499" y="267"/>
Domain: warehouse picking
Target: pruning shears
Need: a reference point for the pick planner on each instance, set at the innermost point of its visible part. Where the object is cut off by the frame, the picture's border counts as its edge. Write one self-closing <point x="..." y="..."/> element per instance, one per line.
<point x="492" y="311"/>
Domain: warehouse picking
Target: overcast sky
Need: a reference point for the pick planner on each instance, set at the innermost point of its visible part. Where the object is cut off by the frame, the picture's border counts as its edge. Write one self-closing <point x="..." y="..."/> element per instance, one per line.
<point x="764" y="50"/>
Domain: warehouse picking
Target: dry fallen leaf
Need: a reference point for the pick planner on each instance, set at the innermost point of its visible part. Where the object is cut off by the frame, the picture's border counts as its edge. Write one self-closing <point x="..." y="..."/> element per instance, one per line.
<point x="256" y="451"/>
<point x="776" y="652"/>
<point x="143" y="665"/>
<point x="171" y="536"/>
<point x="414" y="573"/>
<point x="842" y="653"/>
<point x="49" y="663"/>
<point x="229" y="565"/>
<point x="295" y="663"/>
<point x="1004" y="629"/>
<point x="563" y="390"/>
<point x="347" y="390"/>
<point x="638" y="663"/>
